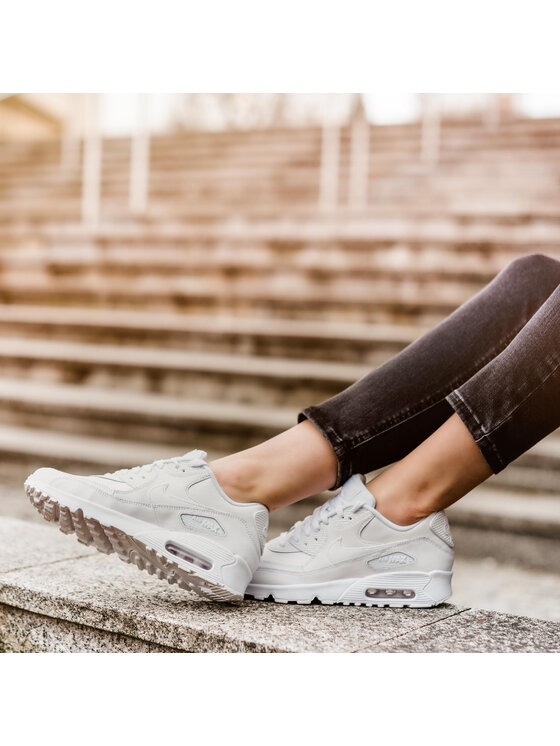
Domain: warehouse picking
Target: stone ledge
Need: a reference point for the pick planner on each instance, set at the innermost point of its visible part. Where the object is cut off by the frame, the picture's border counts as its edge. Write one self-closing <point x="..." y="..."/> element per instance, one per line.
<point x="26" y="632"/>
<point x="58" y="596"/>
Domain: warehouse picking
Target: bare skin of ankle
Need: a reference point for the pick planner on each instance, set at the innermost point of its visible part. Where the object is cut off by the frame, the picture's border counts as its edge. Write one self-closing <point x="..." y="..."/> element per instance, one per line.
<point x="295" y="464"/>
<point x="300" y="462"/>
<point x="433" y="476"/>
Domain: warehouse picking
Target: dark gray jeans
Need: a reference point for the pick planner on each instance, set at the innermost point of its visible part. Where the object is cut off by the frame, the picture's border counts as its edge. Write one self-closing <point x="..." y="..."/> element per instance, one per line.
<point x="495" y="361"/>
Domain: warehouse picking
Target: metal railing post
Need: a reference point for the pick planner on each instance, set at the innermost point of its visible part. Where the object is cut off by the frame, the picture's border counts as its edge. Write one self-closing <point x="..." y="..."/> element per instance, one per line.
<point x="70" y="139"/>
<point x="358" y="184"/>
<point x="91" y="168"/>
<point x="330" y="164"/>
<point x="431" y="130"/>
<point x="492" y="112"/>
<point x="140" y="160"/>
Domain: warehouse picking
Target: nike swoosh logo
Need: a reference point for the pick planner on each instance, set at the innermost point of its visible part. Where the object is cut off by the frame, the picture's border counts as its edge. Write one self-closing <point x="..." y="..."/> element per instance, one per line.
<point x="111" y="486"/>
<point x="339" y="552"/>
<point x="159" y="495"/>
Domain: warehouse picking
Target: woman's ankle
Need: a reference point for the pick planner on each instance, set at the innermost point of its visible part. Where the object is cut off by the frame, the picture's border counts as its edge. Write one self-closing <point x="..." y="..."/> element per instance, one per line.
<point x="401" y="515"/>
<point x="404" y="511"/>
<point x="240" y="478"/>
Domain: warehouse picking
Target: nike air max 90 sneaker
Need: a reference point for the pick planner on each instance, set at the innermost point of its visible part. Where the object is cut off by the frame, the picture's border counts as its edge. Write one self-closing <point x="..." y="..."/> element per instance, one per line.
<point x="347" y="552"/>
<point x="170" y="518"/>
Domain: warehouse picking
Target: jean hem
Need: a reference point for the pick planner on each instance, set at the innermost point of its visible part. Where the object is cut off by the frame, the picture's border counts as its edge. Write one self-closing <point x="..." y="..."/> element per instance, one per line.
<point x="344" y="469"/>
<point x="485" y="443"/>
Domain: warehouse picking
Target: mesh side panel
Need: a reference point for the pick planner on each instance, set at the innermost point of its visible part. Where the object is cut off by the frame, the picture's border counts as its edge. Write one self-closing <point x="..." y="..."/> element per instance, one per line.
<point x="261" y="522"/>
<point x="440" y="527"/>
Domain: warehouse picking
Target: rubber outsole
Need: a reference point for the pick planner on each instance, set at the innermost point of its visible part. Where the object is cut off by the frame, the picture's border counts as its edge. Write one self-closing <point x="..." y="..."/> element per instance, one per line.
<point x="414" y="590"/>
<point x="109" y="540"/>
<point x="315" y="600"/>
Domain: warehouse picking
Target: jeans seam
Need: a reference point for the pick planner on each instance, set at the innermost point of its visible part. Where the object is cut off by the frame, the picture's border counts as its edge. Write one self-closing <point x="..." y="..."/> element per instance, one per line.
<point x="526" y="398"/>
<point x="485" y="434"/>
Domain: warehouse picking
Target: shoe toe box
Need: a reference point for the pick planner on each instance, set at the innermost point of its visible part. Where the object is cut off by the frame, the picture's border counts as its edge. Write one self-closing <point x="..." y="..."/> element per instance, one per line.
<point x="48" y="478"/>
<point x="278" y="567"/>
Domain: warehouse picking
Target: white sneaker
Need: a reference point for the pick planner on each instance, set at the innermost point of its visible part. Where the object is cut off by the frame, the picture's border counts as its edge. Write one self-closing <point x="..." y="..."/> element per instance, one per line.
<point x="346" y="552"/>
<point x="170" y="518"/>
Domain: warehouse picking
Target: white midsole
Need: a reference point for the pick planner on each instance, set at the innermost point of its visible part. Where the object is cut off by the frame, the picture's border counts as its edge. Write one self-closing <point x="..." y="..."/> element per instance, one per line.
<point x="154" y="537"/>
<point x="429" y="588"/>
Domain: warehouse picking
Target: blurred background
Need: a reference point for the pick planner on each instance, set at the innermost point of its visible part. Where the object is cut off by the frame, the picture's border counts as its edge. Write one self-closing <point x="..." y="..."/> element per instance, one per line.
<point x="189" y="270"/>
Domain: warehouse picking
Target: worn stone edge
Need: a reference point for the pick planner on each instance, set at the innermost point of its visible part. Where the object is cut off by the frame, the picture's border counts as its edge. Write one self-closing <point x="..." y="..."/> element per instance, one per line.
<point x="187" y="638"/>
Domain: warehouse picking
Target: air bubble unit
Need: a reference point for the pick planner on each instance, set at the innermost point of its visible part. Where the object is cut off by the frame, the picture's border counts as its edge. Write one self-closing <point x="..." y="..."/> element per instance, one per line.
<point x="188" y="556"/>
<point x="389" y="593"/>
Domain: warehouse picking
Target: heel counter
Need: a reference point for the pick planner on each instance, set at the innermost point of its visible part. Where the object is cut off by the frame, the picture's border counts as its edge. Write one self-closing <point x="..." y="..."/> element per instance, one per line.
<point x="440" y="527"/>
<point x="261" y="526"/>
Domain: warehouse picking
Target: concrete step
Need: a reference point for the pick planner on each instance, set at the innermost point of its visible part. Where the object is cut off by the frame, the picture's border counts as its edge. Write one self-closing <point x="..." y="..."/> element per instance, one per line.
<point x="510" y="527"/>
<point x="192" y="374"/>
<point x="489" y="173"/>
<point x="29" y="448"/>
<point x="173" y="421"/>
<point x="58" y="596"/>
<point x="223" y="169"/>
<point x="535" y="470"/>
<point x="488" y="584"/>
<point x="513" y="512"/>
<point x="281" y="298"/>
<point x="199" y="162"/>
<point x="406" y="260"/>
<point x="303" y="172"/>
<point x="236" y="203"/>
<point x="115" y="414"/>
<point x="193" y="153"/>
<point x="248" y="263"/>
<point x="384" y="226"/>
<point x="526" y="132"/>
<point x="255" y="147"/>
<point x="470" y="221"/>
<point x="416" y="292"/>
<point x="313" y="340"/>
<point x="213" y="188"/>
<point x="537" y="169"/>
<point x="32" y="205"/>
<point x="403" y="194"/>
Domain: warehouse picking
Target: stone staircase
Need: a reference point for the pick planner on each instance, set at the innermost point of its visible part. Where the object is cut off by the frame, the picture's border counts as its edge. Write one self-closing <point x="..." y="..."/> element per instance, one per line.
<point x="235" y="302"/>
<point x="209" y="175"/>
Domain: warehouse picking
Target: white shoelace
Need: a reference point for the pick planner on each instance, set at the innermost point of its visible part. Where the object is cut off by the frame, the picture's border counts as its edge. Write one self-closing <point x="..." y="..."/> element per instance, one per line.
<point x="192" y="458"/>
<point x="322" y="514"/>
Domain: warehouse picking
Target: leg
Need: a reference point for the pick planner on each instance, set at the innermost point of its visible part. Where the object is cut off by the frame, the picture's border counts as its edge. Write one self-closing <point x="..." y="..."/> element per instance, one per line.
<point x="434" y="475"/>
<point x="389" y="543"/>
<point x="387" y="414"/>
<point x="173" y="518"/>
<point x="503" y="410"/>
<point x="285" y="469"/>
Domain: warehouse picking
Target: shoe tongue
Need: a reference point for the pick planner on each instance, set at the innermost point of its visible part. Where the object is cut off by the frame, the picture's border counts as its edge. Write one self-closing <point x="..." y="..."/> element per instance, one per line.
<point x="354" y="492"/>
<point x="195" y="455"/>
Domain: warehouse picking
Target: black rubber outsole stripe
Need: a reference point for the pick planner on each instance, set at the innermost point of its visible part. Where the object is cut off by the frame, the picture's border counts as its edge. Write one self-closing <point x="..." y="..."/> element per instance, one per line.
<point x="109" y="540"/>
<point x="315" y="600"/>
